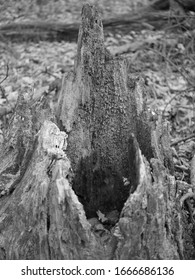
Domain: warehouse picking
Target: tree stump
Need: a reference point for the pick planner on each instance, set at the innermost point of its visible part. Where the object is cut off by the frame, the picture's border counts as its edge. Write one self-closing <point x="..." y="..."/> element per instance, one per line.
<point x="101" y="188"/>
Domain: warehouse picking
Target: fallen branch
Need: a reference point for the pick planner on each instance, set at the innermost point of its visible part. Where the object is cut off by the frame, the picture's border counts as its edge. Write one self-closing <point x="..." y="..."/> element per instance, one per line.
<point x="51" y="31"/>
<point x="182" y="140"/>
<point x="7" y="71"/>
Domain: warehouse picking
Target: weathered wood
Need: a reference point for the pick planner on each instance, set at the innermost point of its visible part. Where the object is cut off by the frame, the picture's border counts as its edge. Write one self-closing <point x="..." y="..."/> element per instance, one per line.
<point x="40" y="216"/>
<point x="149" y="226"/>
<point x="40" y="30"/>
<point x="101" y="188"/>
<point x="99" y="107"/>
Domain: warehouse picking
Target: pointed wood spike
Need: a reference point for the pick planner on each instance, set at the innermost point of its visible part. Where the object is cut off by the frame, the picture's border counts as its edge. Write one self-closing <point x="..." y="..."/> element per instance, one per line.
<point x="90" y="39"/>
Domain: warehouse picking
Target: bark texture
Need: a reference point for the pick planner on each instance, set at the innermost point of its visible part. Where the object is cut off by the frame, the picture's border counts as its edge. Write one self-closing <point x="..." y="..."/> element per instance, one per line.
<point x="150" y="221"/>
<point x="40" y="215"/>
<point x="98" y="108"/>
<point x="101" y="188"/>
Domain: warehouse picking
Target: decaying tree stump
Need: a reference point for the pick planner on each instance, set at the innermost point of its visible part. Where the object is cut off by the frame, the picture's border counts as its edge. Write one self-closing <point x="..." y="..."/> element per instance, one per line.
<point x="101" y="188"/>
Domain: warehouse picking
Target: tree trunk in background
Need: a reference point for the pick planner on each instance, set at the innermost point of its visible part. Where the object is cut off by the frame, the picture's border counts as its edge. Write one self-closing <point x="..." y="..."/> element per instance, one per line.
<point x="103" y="186"/>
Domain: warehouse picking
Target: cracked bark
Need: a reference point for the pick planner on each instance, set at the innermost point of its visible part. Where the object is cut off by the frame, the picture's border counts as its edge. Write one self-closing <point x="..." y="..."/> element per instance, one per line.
<point x="53" y="181"/>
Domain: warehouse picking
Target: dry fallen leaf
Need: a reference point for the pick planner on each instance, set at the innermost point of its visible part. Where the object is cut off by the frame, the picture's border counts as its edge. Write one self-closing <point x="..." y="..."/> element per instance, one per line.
<point x="101" y="216"/>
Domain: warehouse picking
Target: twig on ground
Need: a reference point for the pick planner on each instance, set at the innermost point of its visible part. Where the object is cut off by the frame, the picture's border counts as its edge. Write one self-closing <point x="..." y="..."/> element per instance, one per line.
<point x="182" y="140"/>
<point x="182" y="167"/>
<point x="175" y="96"/>
<point x="49" y="73"/>
<point x="192" y="84"/>
<point x="185" y="107"/>
<point x="7" y="71"/>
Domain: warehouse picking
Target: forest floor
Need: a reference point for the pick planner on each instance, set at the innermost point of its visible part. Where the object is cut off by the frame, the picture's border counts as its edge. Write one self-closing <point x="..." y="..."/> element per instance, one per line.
<point x="165" y="58"/>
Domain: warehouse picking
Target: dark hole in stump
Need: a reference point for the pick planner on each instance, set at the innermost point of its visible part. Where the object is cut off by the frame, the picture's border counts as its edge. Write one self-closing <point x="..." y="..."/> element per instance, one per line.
<point x="99" y="188"/>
